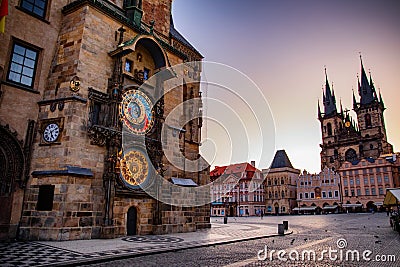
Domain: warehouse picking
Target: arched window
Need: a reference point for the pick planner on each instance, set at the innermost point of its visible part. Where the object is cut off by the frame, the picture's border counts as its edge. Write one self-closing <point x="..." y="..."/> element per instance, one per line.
<point x="276" y="195"/>
<point x="282" y="181"/>
<point x="275" y="181"/>
<point x="329" y="127"/>
<point x="270" y="195"/>
<point x="350" y="155"/>
<point x="368" y="120"/>
<point x="269" y="182"/>
<point x="283" y="194"/>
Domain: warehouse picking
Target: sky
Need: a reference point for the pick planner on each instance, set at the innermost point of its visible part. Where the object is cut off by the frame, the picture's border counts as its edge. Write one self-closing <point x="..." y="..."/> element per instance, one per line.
<point x="283" y="47"/>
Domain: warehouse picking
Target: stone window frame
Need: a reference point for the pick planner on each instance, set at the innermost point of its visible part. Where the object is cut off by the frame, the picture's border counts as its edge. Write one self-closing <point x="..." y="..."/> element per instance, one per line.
<point x="373" y="191"/>
<point x="380" y="191"/>
<point x="358" y="191"/>
<point x="336" y="194"/>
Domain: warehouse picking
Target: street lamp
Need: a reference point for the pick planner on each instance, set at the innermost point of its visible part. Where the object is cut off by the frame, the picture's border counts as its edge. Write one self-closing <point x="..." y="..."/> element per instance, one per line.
<point x="226" y="198"/>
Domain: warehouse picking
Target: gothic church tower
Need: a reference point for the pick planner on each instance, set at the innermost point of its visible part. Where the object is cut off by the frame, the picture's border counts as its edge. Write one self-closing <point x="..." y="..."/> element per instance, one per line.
<point x="343" y="139"/>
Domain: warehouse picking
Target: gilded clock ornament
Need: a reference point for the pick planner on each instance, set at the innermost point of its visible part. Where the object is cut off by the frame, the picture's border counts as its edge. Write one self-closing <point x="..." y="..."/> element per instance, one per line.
<point x="134" y="168"/>
<point x="51" y="132"/>
<point x="75" y="84"/>
<point x="136" y="112"/>
<point x="347" y="124"/>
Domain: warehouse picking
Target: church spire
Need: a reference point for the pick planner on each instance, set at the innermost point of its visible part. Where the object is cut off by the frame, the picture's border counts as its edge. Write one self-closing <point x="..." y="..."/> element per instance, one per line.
<point x="365" y="90"/>
<point x="371" y="83"/>
<point x="381" y="100"/>
<point x="319" y="111"/>
<point x="354" y="101"/>
<point x="329" y="98"/>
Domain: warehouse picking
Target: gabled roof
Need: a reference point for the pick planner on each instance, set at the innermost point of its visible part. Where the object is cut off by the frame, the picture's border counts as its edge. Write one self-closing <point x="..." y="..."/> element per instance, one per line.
<point x="218" y="171"/>
<point x="281" y="160"/>
<point x="232" y="169"/>
<point x="239" y="168"/>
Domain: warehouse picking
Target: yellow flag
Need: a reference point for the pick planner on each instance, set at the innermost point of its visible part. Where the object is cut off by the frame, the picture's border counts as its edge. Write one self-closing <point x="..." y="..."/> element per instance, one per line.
<point x="2" y="24"/>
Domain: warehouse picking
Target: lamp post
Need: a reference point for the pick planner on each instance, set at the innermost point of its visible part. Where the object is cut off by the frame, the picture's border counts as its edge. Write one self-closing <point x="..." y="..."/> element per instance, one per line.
<point x="226" y="209"/>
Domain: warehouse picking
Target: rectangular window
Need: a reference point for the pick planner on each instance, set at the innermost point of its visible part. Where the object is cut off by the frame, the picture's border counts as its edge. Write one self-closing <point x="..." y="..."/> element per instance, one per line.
<point x="356" y="172"/>
<point x="22" y="65"/>
<point x="358" y="181"/>
<point x="379" y="179"/>
<point x="128" y="65"/>
<point x="345" y="182"/>
<point x="364" y="171"/>
<point x="37" y="7"/>
<point x="323" y="194"/>
<point x="358" y="192"/>
<point x="351" y="182"/>
<point x="386" y="178"/>
<point x="346" y="192"/>
<point x="45" y="198"/>
<point x="312" y="195"/>
<point x="365" y="180"/>
<point x="305" y="195"/>
<point x="330" y="194"/>
<point x="336" y="193"/>
<point x="301" y="196"/>
<point x="373" y="191"/>
<point x="352" y="193"/>
<point x="367" y="191"/>
<point x="146" y="74"/>
<point x="380" y="191"/>
<point x="372" y="180"/>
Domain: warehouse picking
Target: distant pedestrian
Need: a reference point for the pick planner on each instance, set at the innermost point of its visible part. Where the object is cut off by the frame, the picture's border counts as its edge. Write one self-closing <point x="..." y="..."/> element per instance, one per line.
<point x="262" y="214"/>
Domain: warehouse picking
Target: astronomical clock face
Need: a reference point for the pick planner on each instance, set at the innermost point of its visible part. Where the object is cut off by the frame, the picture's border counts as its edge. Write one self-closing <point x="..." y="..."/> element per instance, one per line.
<point x="136" y="112"/>
<point x="134" y="168"/>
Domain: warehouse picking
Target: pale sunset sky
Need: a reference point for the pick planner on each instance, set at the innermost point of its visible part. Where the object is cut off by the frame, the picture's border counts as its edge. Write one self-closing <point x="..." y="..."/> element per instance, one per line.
<point x="283" y="46"/>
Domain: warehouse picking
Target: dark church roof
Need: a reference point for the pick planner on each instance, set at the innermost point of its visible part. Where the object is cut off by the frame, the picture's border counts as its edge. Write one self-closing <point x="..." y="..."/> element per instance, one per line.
<point x="176" y="35"/>
<point x="281" y="160"/>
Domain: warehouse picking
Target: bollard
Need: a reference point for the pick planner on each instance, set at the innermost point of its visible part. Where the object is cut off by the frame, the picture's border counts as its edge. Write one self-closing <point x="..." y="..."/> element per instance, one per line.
<point x="281" y="229"/>
<point x="225" y="220"/>
<point x="286" y="224"/>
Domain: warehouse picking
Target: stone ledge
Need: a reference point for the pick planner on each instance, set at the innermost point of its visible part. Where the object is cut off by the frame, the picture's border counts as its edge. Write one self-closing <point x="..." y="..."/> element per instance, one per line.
<point x="70" y="170"/>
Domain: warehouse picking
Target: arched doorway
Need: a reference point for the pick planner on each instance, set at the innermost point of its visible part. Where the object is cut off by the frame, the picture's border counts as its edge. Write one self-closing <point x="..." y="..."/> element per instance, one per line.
<point x="276" y="206"/>
<point x="12" y="162"/>
<point x="131" y="224"/>
<point x="231" y="211"/>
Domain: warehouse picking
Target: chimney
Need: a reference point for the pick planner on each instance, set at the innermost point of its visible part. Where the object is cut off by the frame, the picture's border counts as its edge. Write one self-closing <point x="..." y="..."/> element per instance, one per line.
<point x="253" y="163"/>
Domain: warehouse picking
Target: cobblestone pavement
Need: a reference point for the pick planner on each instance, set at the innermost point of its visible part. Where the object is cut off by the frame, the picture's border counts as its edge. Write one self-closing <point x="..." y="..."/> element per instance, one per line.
<point x="345" y="233"/>
<point x="83" y="251"/>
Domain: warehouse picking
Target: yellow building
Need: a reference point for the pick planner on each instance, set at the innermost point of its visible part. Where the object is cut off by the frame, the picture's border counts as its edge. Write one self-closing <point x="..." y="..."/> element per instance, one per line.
<point x="319" y="193"/>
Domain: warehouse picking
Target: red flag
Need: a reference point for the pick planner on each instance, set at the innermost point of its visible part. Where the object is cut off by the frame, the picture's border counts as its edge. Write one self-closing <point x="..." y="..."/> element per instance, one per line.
<point x="3" y="14"/>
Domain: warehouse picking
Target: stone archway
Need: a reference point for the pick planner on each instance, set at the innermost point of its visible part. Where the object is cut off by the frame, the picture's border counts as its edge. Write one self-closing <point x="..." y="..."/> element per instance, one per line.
<point x="11" y="171"/>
